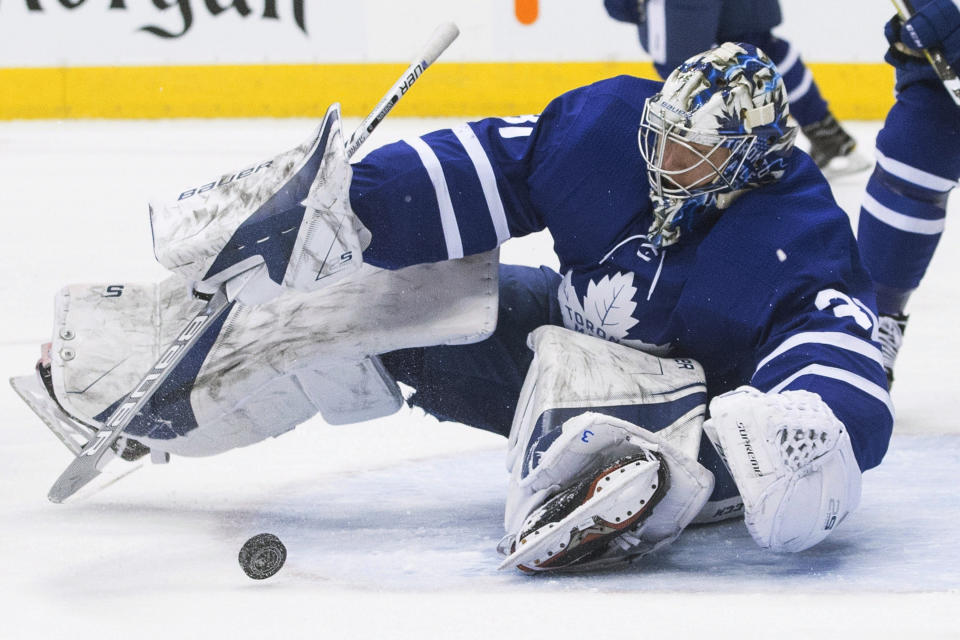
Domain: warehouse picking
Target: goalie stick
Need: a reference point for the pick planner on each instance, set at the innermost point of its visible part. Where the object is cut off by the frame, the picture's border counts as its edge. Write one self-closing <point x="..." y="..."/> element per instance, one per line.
<point x="946" y="73"/>
<point x="97" y="452"/>
<point x="440" y="40"/>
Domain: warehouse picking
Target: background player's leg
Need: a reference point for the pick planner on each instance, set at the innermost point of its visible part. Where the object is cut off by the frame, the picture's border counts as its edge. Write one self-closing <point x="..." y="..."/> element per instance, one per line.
<point x="904" y="208"/>
<point x="478" y="384"/>
<point x="806" y="103"/>
<point x="674" y="31"/>
<point x="828" y="140"/>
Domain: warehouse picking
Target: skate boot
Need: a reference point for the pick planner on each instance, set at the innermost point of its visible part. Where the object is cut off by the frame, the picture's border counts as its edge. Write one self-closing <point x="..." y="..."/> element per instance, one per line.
<point x="575" y="527"/>
<point x="891" y="330"/>
<point x="832" y="148"/>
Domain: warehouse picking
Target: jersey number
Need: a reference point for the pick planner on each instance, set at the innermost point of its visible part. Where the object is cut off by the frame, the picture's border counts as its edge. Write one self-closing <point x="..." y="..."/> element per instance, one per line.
<point x="518" y="131"/>
<point x="845" y="306"/>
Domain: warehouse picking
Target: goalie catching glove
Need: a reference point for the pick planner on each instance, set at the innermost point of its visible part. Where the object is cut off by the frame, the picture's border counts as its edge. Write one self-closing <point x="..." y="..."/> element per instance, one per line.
<point x="285" y="223"/>
<point x="792" y="462"/>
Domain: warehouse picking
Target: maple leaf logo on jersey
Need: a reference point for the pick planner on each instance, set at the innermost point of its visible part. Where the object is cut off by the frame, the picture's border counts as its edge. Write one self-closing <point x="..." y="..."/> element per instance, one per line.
<point x="606" y="311"/>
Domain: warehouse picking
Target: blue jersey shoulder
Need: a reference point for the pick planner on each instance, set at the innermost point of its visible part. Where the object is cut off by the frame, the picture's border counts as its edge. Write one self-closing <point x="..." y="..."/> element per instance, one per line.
<point x="573" y="125"/>
<point x="790" y="224"/>
<point x="588" y="179"/>
<point x="768" y="256"/>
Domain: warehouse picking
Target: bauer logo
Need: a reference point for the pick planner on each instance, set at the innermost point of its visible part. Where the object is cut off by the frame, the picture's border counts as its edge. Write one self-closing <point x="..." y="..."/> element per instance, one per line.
<point x="675" y="109"/>
<point x="412" y="77"/>
<point x="101" y="438"/>
<point x="224" y="180"/>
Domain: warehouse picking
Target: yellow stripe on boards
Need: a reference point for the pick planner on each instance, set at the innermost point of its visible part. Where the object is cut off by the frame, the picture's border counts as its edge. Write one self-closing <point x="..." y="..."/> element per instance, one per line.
<point x="855" y="91"/>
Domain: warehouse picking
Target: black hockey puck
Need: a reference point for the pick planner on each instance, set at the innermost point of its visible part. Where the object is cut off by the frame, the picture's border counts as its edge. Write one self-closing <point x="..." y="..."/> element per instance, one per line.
<point x="262" y="556"/>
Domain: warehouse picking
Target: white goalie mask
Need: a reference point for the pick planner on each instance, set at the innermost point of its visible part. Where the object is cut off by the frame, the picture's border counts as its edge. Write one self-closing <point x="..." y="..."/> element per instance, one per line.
<point x="718" y="125"/>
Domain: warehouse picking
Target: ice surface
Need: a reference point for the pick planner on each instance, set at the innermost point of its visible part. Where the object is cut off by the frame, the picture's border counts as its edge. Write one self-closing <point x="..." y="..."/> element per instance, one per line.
<point x="391" y="526"/>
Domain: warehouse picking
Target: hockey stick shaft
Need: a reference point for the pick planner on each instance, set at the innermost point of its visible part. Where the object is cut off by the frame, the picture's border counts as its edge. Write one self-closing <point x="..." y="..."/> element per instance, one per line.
<point x="96" y="453"/>
<point x="945" y="72"/>
<point x="439" y="41"/>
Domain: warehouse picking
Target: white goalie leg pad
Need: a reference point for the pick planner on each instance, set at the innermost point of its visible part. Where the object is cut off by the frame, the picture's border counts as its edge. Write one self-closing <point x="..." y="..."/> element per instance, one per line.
<point x="576" y="416"/>
<point x="604" y="491"/>
<point x="792" y="461"/>
<point x="271" y="367"/>
<point x="286" y="223"/>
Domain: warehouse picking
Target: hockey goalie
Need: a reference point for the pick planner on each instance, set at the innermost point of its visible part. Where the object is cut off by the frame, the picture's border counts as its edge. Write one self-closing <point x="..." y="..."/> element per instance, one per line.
<point x="708" y="284"/>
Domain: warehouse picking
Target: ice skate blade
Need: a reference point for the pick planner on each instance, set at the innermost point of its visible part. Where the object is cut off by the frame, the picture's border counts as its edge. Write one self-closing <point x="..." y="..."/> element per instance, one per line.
<point x="848" y="165"/>
<point x="71" y="433"/>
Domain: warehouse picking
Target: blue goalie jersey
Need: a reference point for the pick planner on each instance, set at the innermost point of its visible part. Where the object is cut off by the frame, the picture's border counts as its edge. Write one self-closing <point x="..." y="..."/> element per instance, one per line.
<point x="770" y="293"/>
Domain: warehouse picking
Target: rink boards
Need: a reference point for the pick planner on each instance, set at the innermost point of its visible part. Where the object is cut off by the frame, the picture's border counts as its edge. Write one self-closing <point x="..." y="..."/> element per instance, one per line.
<point x="289" y="58"/>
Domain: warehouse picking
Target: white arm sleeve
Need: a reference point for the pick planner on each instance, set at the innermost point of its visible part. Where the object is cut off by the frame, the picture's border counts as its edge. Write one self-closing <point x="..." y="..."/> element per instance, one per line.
<point x="792" y="461"/>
